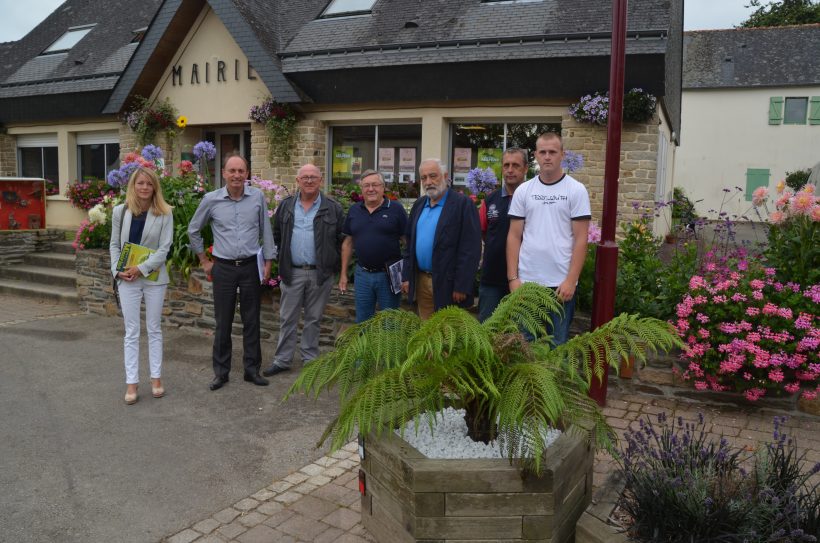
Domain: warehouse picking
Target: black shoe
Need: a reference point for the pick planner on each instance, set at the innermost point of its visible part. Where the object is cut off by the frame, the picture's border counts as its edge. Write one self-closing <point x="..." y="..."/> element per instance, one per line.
<point x="273" y="370"/>
<point x="256" y="379"/>
<point x="218" y="383"/>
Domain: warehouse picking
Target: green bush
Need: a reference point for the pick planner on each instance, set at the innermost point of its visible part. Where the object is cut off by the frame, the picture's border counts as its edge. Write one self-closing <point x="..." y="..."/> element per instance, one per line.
<point x="797" y="179"/>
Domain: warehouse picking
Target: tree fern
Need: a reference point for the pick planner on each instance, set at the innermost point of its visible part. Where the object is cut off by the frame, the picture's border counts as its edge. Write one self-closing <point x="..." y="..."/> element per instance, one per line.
<point x="395" y="368"/>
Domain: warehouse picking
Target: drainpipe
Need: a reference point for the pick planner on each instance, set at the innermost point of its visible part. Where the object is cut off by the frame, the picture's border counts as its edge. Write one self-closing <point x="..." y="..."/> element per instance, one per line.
<point x="606" y="255"/>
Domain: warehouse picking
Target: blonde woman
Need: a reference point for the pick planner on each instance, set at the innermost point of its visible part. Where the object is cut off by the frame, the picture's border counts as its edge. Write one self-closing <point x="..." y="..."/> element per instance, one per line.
<point x="144" y="219"/>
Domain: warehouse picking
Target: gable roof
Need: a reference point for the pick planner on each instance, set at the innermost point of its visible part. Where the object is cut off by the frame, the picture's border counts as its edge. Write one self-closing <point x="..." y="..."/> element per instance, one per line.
<point x="251" y="23"/>
<point x="752" y="57"/>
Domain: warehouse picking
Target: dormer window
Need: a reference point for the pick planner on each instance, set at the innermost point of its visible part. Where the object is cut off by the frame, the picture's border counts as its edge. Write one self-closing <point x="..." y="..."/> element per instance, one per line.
<point x="343" y="8"/>
<point x="68" y="40"/>
<point x="138" y="34"/>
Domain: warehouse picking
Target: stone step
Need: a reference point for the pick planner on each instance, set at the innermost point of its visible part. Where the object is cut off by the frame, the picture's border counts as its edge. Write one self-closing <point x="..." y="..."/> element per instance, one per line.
<point x="50" y="260"/>
<point x="63" y="247"/>
<point x="41" y="275"/>
<point x="53" y="293"/>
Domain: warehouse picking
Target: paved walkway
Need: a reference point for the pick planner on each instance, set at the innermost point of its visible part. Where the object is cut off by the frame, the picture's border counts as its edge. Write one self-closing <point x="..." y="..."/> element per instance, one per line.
<point x="320" y="502"/>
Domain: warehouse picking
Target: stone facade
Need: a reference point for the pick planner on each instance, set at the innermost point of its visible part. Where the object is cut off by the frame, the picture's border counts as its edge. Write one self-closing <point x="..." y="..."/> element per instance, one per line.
<point x="639" y="152"/>
<point x="189" y="303"/>
<point x="15" y="244"/>
<point x="128" y="141"/>
<point x="309" y="147"/>
<point x="8" y="155"/>
<point x="411" y="498"/>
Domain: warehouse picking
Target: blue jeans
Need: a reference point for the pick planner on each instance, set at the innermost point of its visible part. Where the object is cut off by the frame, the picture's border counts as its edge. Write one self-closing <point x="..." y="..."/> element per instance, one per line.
<point x="371" y="288"/>
<point x="559" y="329"/>
<point x="489" y="296"/>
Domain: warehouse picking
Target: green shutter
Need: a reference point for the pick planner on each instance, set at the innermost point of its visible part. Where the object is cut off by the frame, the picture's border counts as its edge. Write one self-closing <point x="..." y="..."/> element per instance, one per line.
<point x="814" y="110"/>
<point x="775" y="110"/>
<point x="755" y="178"/>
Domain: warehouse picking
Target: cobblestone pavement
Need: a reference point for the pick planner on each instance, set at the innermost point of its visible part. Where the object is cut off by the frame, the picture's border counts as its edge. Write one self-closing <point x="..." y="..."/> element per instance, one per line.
<point x="320" y="502"/>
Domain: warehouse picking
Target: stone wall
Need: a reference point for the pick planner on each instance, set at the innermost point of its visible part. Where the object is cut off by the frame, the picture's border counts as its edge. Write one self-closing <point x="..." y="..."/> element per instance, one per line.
<point x="16" y="244"/>
<point x="639" y="151"/>
<point x="189" y="303"/>
<point x="309" y="147"/>
<point x="8" y="156"/>
<point x="128" y="141"/>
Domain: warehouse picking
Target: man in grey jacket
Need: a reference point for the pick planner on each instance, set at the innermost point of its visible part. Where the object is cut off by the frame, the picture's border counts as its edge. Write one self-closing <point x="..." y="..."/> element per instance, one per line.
<point x="307" y="229"/>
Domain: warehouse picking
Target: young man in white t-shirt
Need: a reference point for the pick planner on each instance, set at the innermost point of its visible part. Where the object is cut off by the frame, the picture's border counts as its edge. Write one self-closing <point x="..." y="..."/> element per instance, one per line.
<point x="549" y="222"/>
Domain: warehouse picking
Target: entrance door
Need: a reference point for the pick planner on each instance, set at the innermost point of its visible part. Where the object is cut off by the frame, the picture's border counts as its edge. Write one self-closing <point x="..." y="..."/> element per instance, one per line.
<point x="229" y="141"/>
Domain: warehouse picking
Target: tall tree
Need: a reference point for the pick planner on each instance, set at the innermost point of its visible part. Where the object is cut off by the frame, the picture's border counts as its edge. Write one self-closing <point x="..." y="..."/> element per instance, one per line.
<point x="782" y="13"/>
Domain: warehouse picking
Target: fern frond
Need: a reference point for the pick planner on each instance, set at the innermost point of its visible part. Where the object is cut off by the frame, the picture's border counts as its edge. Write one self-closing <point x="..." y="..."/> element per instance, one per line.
<point x="608" y="344"/>
<point x="528" y="308"/>
<point x="362" y="351"/>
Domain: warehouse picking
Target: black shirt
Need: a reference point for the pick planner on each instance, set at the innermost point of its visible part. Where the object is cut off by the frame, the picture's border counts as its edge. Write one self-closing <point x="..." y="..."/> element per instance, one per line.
<point x="137" y="226"/>
<point x="376" y="235"/>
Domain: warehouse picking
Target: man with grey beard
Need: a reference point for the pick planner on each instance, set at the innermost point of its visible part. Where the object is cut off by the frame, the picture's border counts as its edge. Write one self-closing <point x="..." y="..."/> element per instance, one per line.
<point x="443" y="244"/>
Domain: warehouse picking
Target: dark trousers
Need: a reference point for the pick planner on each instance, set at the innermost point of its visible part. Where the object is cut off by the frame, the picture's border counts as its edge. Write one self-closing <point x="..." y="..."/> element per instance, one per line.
<point x="226" y="279"/>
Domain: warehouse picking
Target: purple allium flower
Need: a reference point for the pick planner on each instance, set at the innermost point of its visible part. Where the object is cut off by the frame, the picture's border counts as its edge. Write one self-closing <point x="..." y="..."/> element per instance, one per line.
<point x="572" y="161"/>
<point x="151" y="152"/>
<point x="479" y="180"/>
<point x="206" y="149"/>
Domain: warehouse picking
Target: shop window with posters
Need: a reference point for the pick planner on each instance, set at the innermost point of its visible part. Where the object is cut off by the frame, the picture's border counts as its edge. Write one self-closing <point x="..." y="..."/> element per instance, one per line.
<point x="480" y="145"/>
<point x="393" y="150"/>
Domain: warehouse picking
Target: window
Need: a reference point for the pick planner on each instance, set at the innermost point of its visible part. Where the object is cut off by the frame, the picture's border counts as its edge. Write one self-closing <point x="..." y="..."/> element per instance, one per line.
<point x="97" y="154"/>
<point x="68" y="40"/>
<point x="393" y="150"/>
<point x="755" y="178"/>
<point x="338" y="8"/>
<point x="37" y="157"/>
<point x="480" y="145"/>
<point x="795" y="111"/>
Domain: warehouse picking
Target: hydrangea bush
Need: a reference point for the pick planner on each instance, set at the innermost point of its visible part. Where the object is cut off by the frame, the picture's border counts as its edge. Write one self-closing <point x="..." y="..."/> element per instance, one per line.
<point x="748" y="332"/>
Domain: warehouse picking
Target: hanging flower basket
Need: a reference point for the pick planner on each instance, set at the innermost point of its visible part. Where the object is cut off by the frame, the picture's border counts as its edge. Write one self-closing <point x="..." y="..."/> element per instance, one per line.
<point x="639" y="107"/>
<point x="280" y="125"/>
<point x="150" y="120"/>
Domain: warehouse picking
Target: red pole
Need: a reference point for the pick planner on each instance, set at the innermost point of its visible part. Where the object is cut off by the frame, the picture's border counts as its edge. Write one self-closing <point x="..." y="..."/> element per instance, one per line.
<point x="606" y="256"/>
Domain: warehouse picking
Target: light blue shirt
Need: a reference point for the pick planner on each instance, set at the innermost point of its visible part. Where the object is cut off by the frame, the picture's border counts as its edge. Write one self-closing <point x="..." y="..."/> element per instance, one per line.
<point x="238" y="225"/>
<point x="302" y="242"/>
<point x="426" y="233"/>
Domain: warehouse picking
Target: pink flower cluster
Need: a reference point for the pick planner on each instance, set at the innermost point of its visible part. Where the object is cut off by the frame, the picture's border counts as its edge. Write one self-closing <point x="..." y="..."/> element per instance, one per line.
<point x="746" y="331"/>
<point x="789" y="205"/>
<point x="274" y="192"/>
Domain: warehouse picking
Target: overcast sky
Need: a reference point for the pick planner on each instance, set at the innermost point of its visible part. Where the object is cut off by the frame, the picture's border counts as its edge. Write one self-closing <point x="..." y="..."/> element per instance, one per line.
<point x="20" y="16"/>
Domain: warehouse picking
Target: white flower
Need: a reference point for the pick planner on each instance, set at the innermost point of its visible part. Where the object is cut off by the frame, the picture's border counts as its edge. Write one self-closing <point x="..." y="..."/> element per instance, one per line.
<point x="97" y="214"/>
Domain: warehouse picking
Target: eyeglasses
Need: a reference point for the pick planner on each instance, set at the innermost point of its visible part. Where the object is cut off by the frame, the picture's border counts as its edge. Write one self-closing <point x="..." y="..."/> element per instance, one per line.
<point x="368" y="186"/>
<point x="310" y="178"/>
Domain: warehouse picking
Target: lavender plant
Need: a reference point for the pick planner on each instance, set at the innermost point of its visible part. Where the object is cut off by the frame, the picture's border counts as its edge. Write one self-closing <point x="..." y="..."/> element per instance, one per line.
<point x="683" y="486"/>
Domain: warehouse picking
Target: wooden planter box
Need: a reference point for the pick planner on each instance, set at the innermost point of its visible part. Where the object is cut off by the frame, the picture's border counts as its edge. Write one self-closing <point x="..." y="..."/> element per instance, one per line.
<point x="412" y="498"/>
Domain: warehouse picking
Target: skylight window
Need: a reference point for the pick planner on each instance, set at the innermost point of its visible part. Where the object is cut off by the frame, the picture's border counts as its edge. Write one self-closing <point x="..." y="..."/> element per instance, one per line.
<point x="68" y="40"/>
<point x="338" y="8"/>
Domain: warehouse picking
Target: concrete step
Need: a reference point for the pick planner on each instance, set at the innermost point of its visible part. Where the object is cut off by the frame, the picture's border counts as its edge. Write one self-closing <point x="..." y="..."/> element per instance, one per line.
<point x="63" y="247"/>
<point x="50" y="260"/>
<point x="41" y="275"/>
<point x="54" y="293"/>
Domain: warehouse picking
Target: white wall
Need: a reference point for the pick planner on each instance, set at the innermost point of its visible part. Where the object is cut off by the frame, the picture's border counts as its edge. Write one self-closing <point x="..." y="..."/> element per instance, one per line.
<point x="724" y="132"/>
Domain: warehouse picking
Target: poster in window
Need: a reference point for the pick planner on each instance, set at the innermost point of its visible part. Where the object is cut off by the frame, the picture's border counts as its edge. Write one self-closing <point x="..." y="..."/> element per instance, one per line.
<point x="388" y="177"/>
<point x="490" y="158"/>
<point x="342" y="162"/>
<point x="356" y="166"/>
<point x="407" y="177"/>
<point x="387" y="160"/>
<point x="460" y="178"/>
<point x="407" y="159"/>
<point x="461" y="159"/>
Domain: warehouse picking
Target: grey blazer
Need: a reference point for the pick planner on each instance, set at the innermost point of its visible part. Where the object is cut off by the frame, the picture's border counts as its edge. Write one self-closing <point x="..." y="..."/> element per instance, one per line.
<point x="158" y="234"/>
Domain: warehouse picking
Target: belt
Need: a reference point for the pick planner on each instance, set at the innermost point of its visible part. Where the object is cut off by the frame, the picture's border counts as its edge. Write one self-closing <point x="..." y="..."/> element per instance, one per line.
<point x="304" y="266"/>
<point x="371" y="270"/>
<point x="236" y="262"/>
<point x="427" y="273"/>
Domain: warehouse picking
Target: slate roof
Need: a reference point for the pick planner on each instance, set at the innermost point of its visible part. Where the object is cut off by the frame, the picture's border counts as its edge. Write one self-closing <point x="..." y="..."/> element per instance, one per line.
<point x="752" y="57"/>
<point x="99" y="57"/>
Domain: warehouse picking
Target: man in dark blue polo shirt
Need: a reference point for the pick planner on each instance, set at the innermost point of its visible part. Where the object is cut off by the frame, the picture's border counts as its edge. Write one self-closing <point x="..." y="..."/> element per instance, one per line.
<point x="374" y="228"/>
<point x="495" y="224"/>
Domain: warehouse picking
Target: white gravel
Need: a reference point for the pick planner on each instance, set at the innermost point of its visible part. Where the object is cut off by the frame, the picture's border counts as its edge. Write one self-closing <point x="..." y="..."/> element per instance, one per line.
<point x="450" y="439"/>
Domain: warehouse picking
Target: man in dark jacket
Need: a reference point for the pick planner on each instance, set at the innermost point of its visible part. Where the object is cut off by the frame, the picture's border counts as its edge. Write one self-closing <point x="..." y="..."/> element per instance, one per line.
<point x="307" y="229"/>
<point x="443" y="244"/>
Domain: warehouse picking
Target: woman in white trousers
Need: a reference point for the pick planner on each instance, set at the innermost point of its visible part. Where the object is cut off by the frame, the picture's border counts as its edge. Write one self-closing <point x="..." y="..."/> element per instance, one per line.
<point x="144" y="219"/>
